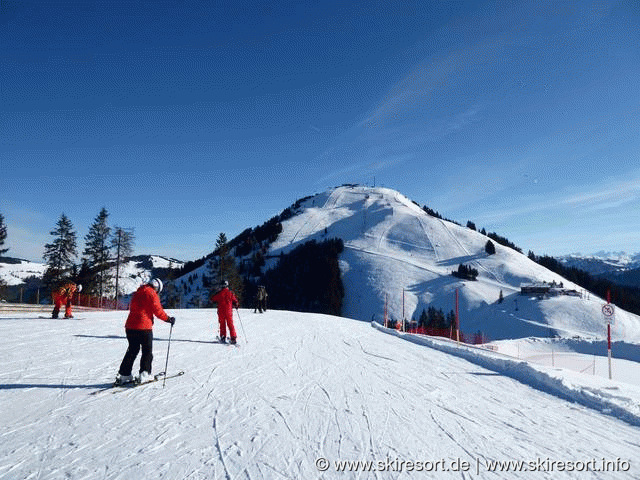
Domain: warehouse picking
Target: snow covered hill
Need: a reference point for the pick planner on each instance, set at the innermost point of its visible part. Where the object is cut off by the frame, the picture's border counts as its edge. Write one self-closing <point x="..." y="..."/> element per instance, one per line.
<point x="134" y="272"/>
<point x="15" y="271"/>
<point x="302" y="396"/>
<point x="140" y="269"/>
<point x="396" y="254"/>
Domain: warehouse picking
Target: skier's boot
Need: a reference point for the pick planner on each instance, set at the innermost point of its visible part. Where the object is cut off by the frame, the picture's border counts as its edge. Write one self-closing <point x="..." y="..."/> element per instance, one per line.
<point x="232" y="340"/>
<point x="222" y="339"/>
<point x="145" y="377"/>
<point x="123" y="379"/>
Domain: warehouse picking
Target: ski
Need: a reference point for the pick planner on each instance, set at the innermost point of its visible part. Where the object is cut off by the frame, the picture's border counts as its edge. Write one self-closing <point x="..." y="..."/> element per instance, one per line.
<point x="119" y="388"/>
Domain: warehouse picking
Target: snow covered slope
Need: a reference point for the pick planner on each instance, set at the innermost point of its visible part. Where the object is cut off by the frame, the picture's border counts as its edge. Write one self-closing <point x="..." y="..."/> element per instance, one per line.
<point x="133" y="273"/>
<point x="140" y="269"/>
<point x="396" y="253"/>
<point x="305" y="392"/>
<point x="16" y="271"/>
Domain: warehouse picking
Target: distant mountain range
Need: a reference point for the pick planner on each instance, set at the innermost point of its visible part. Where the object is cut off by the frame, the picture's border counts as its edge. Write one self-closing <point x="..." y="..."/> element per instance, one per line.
<point x="619" y="267"/>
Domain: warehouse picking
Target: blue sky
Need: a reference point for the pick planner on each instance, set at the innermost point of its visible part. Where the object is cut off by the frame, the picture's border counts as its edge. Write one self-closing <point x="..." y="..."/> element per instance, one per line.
<point x="186" y="119"/>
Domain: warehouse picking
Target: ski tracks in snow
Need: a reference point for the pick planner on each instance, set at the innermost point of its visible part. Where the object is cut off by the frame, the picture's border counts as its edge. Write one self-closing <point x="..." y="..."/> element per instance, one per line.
<point x="305" y="387"/>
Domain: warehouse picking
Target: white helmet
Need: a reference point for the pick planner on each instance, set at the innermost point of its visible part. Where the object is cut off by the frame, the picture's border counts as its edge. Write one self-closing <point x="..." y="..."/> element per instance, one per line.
<point x="156" y="283"/>
<point x="79" y="288"/>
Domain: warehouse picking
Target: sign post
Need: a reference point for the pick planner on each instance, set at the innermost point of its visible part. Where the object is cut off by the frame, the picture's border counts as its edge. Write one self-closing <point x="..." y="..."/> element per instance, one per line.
<point x="457" y="319"/>
<point x="385" y="310"/>
<point x="608" y="310"/>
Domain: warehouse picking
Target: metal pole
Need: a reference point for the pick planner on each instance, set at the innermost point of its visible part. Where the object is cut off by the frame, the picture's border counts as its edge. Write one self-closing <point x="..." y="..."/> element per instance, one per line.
<point x="609" y="347"/>
<point x="166" y="363"/>
<point x="242" y="326"/>
<point x="457" y="319"/>
<point x="403" y="309"/>
<point x="385" y="310"/>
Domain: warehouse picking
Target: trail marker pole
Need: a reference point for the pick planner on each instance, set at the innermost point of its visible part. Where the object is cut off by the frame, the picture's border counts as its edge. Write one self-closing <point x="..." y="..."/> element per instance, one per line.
<point x="457" y="319"/>
<point x="608" y="311"/>
<point x="385" y="310"/>
<point x="403" y="322"/>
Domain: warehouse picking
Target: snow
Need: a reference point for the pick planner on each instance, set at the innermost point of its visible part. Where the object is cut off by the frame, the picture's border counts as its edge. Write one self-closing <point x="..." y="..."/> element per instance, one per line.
<point x="17" y="273"/>
<point x="300" y="388"/>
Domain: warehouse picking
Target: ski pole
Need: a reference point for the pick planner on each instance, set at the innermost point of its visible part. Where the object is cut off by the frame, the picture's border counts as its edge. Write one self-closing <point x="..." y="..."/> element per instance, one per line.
<point x="166" y="364"/>
<point x="241" y="325"/>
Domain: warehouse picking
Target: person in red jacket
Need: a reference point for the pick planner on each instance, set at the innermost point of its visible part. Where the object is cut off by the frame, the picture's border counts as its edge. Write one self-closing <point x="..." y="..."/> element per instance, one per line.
<point x="145" y="303"/>
<point x="63" y="296"/>
<point x="226" y="300"/>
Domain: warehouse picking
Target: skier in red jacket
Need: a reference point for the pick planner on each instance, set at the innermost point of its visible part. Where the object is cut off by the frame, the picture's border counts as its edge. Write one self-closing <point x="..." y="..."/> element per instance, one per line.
<point x="226" y="300"/>
<point x="63" y="296"/>
<point x="145" y="303"/>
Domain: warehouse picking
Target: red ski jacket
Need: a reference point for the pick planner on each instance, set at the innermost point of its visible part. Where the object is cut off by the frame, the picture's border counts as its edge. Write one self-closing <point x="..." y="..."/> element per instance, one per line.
<point x="226" y="300"/>
<point x="65" y="291"/>
<point x="144" y="305"/>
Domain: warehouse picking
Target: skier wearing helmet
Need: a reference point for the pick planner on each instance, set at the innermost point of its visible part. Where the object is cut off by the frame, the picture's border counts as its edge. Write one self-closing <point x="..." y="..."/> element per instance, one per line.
<point x="226" y="300"/>
<point x="145" y="304"/>
<point x="62" y="296"/>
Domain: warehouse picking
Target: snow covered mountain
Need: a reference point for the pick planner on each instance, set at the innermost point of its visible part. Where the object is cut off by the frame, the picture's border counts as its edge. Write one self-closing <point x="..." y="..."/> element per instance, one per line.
<point x="619" y="267"/>
<point x="134" y="272"/>
<point x="399" y="258"/>
<point x="602" y="262"/>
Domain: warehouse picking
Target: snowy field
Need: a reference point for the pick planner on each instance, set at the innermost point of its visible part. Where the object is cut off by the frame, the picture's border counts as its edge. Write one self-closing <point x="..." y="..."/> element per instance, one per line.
<point x="302" y="393"/>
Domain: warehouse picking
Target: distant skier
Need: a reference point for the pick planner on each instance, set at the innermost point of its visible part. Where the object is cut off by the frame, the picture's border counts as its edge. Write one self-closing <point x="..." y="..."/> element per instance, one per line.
<point x="261" y="299"/>
<point x="226" y="300"/>
<point x="63" y="296"/>
<point x="145" y="303"/>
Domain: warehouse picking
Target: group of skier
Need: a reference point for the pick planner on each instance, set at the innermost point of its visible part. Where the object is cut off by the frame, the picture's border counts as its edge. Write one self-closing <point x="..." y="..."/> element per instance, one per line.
<point x="145" y="304"/>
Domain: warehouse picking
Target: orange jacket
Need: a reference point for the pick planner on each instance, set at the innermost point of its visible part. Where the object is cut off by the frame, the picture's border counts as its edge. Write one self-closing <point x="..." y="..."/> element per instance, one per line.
<point x="226" y="300"/>
<point x="65" y="291"/>
<point x="144" y="305"/>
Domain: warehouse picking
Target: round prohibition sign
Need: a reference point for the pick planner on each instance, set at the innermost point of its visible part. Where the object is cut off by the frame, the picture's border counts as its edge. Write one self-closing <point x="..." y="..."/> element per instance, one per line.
<point x="608" y="310"/>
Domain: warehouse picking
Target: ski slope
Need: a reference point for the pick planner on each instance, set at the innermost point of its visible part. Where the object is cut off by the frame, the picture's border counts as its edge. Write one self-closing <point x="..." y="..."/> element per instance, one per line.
<point x="302" y="389"/>
<point x="399" y="258"/>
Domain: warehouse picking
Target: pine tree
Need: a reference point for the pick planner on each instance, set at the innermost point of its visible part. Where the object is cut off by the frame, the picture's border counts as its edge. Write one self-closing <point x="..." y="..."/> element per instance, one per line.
<point x="122" y="245"/>
<point x="490" y="248"/>
<point x="96" y="253"/>
<point x="3" y="235"/>
<point x="225" y="267"/>
<point x="60" y="253"/>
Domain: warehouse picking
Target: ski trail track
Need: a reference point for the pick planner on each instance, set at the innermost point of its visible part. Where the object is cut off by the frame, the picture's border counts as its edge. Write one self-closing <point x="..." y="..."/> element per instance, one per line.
<point x="302" y="387"/>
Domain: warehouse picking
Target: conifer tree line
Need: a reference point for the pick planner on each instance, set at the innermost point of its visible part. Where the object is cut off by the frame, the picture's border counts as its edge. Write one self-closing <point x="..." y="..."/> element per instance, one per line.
<point x="3" y="237"/>
<point x="104" y="248"/>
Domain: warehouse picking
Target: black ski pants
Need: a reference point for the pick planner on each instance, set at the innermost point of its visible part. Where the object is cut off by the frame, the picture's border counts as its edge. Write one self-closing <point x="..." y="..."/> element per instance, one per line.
<point x="138" y="339"/>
